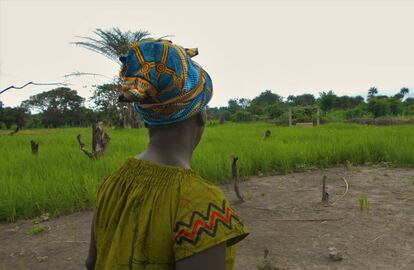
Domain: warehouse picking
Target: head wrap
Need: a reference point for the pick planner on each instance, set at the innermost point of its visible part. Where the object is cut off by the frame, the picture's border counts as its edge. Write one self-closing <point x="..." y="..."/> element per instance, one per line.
<point x="165" y="85"/>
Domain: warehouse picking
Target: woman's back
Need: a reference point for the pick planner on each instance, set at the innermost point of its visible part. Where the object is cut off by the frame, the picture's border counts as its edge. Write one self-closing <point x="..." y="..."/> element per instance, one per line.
<point x="151" y="215"/>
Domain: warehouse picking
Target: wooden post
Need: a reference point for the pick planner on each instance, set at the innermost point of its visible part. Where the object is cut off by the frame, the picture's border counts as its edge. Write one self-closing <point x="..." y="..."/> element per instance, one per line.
<point x="325" y="194"/>
<point x="290" y="117"/>
<point x="236" y="178"/>
<point x="318" y="115"/>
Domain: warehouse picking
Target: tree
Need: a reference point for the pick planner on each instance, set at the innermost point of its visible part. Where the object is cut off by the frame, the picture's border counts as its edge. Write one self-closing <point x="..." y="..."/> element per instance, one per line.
<point x="266" y="98"/>
<point x="404" y="91"/>
<point x="343" y="102"/>
<point x="233" y="105"/>
<point x="291" y="99"/>
<point x="14" y="116"/>
<point x="114" y="43"/>
<point x="372" y="92"/>
<point x="304" y="100"/>
<point x="60" y="106"/>
<point x="396" y="107"/>
<point x="379" y="106"/>
<point x="244" y="102"/>
<point x="224" y="115"/>
<point x="409" y="101"/>
<point x="327" y="100"/>
<point x="105" y="99"/>
<point x="274" y="110"/>
<point x="212" y="113"/>
<point x="358" y="100"/>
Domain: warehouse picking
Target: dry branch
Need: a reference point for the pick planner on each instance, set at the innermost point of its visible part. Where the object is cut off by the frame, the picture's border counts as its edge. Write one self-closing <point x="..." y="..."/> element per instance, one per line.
<point x="31" y="83"/>
<point x="236" y="178"/>
<point x="83" y="148"/>
<point x="78" y="74"/>
<point x="346" y="191"/>
<point x="100" y="140"/>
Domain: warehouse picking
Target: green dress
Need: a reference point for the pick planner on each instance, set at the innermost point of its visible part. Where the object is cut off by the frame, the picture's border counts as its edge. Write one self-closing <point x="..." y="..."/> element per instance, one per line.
<point x="149" y="216"/>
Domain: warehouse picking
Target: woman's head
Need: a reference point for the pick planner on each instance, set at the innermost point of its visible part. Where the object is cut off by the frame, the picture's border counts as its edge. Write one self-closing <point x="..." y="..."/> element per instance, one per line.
<point x="166" y="86"/>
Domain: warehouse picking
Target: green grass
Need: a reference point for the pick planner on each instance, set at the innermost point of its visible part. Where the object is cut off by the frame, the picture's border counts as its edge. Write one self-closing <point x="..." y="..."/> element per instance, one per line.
<point x="37" y="229"/>
<point x="61" y="179"/>
<point x="363" y="202"/>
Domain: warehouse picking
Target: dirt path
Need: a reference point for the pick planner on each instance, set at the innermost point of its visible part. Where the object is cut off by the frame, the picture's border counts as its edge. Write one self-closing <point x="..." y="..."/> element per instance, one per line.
<point x="284" y="215"/>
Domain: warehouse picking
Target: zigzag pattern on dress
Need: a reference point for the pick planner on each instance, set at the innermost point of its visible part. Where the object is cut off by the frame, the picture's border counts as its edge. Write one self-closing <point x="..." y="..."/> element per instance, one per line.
<point x="199" y="223"/>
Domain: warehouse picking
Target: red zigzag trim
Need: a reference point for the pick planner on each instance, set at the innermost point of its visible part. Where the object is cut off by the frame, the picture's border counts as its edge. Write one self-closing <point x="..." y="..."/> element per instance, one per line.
<point x="200" y="224"/>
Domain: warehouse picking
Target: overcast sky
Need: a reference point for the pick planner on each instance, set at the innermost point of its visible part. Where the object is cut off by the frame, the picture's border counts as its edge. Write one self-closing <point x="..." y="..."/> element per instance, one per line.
<point x="289" y="47"/>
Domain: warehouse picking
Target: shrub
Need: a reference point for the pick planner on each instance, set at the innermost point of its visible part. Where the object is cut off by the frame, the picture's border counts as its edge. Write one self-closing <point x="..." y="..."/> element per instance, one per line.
<point x="242" y="116"/>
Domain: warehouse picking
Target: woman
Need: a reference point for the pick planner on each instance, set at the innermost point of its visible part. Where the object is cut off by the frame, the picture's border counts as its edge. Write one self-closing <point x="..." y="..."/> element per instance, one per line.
<point x="154" y="212"/>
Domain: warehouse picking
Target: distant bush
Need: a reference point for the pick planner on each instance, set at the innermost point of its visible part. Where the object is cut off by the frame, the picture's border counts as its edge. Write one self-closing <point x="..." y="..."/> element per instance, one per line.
<point x="334" y="116"/>
<point x="386" y="120"/>
<point x="357" y="112"/>
<point x="242" y="116"/>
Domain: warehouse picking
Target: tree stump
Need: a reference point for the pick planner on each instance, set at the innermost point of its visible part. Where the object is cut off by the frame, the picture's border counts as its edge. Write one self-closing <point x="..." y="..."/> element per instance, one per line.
<point x="236" y="178"/>
<point x="100" y="140"/>
<point x="34" y="146"/>
<point x="121" y="121"/>
<point x="267" y="134"/>
<point x="134" y="120"/>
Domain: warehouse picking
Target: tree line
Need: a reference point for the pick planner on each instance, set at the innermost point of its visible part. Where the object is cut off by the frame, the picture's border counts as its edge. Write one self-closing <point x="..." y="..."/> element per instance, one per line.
<point x="63" y="107"/>
<point x="271" y="106"/>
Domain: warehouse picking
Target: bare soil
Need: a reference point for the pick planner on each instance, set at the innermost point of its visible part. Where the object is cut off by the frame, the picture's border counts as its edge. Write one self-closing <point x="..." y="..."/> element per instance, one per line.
<point x="285" y="216"/>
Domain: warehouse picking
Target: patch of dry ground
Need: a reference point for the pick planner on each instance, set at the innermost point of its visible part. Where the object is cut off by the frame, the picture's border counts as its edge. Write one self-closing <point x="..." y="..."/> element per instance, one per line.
<point x="284" y="215"/>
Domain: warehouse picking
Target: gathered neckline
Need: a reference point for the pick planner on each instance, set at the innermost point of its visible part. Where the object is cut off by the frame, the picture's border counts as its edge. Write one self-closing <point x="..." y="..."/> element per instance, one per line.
<point x="161" y="166"/>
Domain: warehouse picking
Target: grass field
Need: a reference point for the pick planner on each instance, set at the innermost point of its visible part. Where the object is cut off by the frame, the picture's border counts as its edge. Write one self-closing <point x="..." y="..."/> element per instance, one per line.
<point x="61" y="179"/>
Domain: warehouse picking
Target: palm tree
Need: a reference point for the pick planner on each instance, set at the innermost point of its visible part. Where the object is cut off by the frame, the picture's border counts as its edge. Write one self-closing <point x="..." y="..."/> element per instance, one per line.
<point x="114" y="43"/>
<point x="372" y="91"/>
<point x="404" y="91"/>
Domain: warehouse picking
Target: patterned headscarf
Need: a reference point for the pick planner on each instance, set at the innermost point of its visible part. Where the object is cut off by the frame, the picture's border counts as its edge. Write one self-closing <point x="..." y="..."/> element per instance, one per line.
<point x="165" y="85"/>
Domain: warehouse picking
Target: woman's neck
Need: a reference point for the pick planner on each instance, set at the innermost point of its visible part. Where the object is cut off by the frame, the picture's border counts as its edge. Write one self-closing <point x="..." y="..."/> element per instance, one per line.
<point x="177" y="153"/>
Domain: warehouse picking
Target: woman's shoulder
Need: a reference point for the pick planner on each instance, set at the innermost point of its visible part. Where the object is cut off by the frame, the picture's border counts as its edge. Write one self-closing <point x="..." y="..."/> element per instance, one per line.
<point x="204" y="218"/>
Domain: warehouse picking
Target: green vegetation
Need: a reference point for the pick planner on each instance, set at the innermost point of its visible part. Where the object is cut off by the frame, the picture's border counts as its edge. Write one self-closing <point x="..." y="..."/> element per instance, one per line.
<point x="363" y="202"/>
<point x="61" y="179"/>
<point x="63" y="107"/>
<point x="37" y="229"/>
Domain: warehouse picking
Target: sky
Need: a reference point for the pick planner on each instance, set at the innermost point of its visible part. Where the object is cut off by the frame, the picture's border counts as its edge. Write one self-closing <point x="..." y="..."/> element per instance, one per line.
<point x="289" y="47"/>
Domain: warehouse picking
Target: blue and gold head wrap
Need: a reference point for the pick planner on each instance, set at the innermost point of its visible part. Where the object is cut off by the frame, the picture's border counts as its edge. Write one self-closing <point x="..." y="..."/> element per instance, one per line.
<point x="165" y="85"/>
